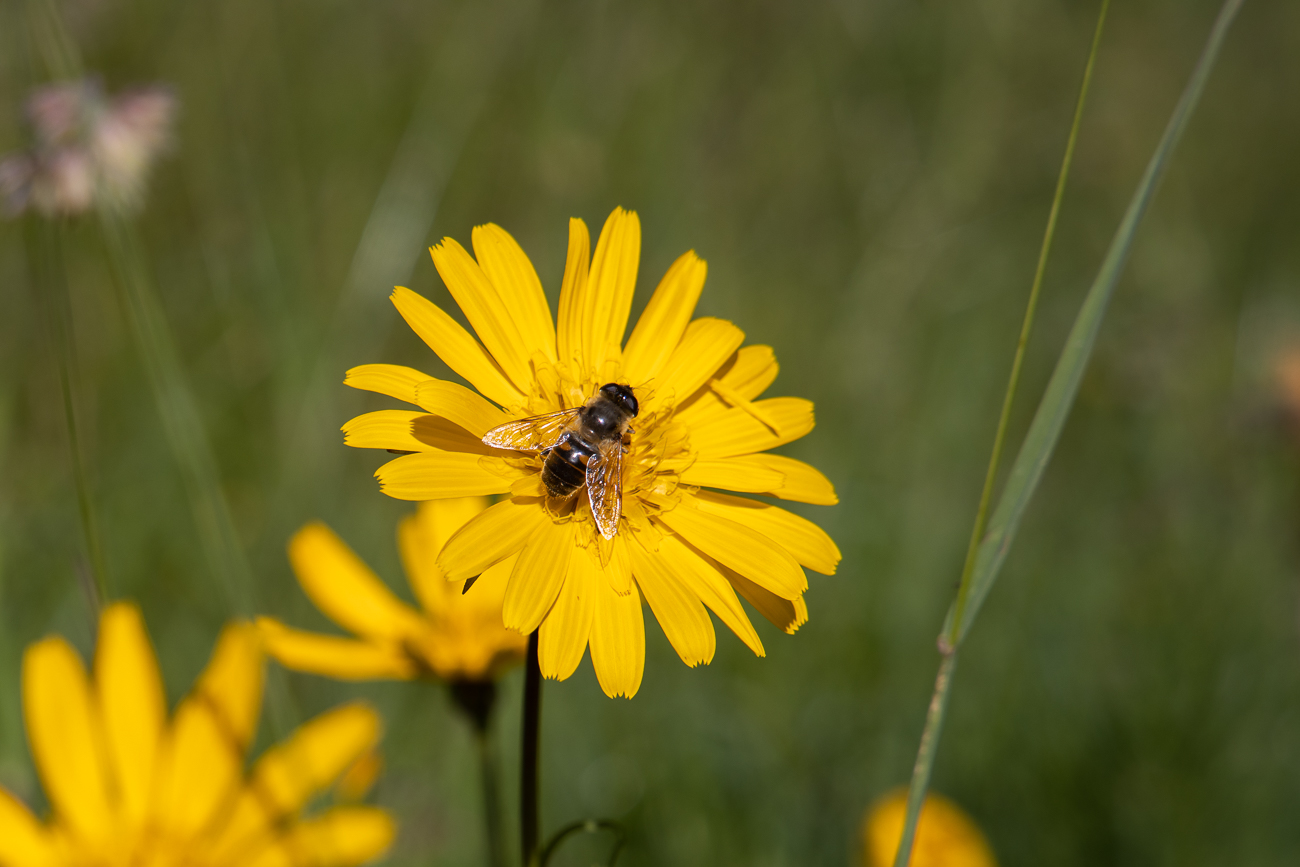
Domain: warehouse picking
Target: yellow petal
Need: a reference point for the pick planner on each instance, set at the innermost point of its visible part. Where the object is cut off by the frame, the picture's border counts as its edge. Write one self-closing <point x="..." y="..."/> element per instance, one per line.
<point x="809" y="544"/>
<point x="678" y="610"/>
<point x="618" y="641"/>
<point x="563" y="635"/>
<point x="608" y="298"/>
<point x="490" y="537"/>
<point x="345" y="589"/>
<point x="132" y="702"/>
<point x="738" y="432"/>
<point x="516" y="281"/>
<point x="785" y="614"/>
<point x="800" y="482"/>
<point x="200" y="766"/>
<point x="231" y="684"/>
<point x="487" y="311"/>
<point x="733" y="474"/>
<point x="390" y="379"/>
<point x="443" y="435"/>
<point x="738" y="546"/>
<point x="568" y="335"/>
<point x="421" y="537"/>
<point x="705" y="347"/>
<point x="619" y="569"/>
<point x="24" y="842"/>
<point x="315" y="755"/>
<point x="538" y="576"/>
<point x="664" y="319"/>
<point x="458" y="404"/>
<point x="340" y="658"/>
<point x="64" y="731"/>
<point x="339" y="837"/>
<point x="385" y="429"/>
<point x="438" y="475"/>
<point x="703" y="579"/>
<point x="454" y="345"/>
<point x="751" y="370"/>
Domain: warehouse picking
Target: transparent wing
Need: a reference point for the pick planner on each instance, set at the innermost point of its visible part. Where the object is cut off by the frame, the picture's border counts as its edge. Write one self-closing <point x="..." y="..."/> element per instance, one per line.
<point x="531" y="434"/>
<point x="605" y="487"/>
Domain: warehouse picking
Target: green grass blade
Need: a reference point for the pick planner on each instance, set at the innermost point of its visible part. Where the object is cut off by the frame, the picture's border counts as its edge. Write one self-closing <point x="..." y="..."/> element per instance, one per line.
<point x="1049" y="420"/>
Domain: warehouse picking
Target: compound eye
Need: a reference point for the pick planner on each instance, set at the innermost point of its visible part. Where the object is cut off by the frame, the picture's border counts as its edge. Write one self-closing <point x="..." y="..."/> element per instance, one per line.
<point x="630" y="403"/>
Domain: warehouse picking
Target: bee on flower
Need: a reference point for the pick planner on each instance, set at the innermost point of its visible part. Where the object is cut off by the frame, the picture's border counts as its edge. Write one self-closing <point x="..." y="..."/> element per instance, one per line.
<point x="87" y="148"/>
<point x="612" y="456"/>
<point x="455" y="637"/>
<point x="126" y="785"/>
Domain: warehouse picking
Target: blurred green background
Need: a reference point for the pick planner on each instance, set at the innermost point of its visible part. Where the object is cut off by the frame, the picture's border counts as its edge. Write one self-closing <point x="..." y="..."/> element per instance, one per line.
<point x="868" y="182"/>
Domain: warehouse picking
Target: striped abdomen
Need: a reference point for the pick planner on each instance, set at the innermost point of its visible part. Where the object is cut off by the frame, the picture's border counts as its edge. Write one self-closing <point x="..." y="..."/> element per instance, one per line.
<point x="565" y="469"/>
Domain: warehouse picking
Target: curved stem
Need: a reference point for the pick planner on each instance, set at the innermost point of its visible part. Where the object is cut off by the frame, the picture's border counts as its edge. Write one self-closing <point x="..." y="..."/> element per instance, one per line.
<point x="532" y="729"/>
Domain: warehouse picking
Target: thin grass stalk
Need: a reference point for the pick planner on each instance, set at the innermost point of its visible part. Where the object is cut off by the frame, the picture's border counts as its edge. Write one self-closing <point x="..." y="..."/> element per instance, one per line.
<point x="528" y="770"/>
<point x="45" y="249"/>
<point x="488" y="777"/>
<point x="1049" y="420"/>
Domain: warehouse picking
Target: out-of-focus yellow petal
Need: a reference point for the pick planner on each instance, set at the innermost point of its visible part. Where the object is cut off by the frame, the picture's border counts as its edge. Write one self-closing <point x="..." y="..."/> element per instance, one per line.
<point x="740" y="547"/>
<point x="664" y="319"/>
<point x="65" y="734"/>
<point x="134" y="707"/>
<point x="733" y="474"/>
<point x="385" y="429"/>
<point x="738" y="432"/>
<point x="458" y="404"/>
<point x="562" y="637"/>
<point x="489" y="538"/>
<point x="705" y="347"/>
<point x="345" y="589"/>
<point x="608" y="298"/>
<point x="945" y="835"/>
<point x="200" y="766"/>
<point x="358" y="780"/>
<point x="809" y="544"/>
<point x="438" y="475"/>
<point x="785" y="614"/>
<point x="231" y="684"/>
<point x="573" y="292"/>
<point x="516" y="281"/>
<point x="487" y="312"/>
<point x="800" y="482"/>
<point x="393" y="380"/>
<point x="538" y="576"/>
<point x="24" y="842"/>
<point x="340" y="837"/>
<point x="618" y="641"/>
<point x="678" y="610"/>
<point x="704" y="580"/>
<point x="748" y="374"/>
<point x="421" y="536"/>
<point x="454" y="345"/>
<point x="313" y="757"/>
<point x="328" y="655"/>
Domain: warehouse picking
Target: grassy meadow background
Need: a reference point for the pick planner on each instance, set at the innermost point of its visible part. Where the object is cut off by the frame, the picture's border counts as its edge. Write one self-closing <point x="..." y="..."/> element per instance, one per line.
<point x="868" y="182"/>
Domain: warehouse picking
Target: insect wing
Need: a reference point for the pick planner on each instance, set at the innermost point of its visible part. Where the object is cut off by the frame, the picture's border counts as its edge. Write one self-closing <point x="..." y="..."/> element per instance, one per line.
<point x="605" y="488"/>
<point x="531" y="434"/>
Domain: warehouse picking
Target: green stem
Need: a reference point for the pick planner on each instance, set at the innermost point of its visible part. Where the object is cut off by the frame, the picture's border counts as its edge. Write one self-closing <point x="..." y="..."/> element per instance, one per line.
<point x="46" y="250"/>
<point x="491" y="798"/>
<point x="949" y="639"/>
<point x="529" y="767"/>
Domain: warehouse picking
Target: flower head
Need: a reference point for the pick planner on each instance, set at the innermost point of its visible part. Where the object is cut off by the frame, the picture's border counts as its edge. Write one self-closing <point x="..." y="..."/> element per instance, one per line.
<point x="457" y="637"/>
<point x="87" y="147"/>
<point x="126" y="786"/>
<point x="677" y="546"/>
<point x="945" y="835"/>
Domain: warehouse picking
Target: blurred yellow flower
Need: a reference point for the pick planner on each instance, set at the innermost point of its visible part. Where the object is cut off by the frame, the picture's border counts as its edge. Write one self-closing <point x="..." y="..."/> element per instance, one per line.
<point x="700" y="425"/>
<point x="128" y="787"/>
<point x="945" y="835"/>
<point x="457" y="637"/>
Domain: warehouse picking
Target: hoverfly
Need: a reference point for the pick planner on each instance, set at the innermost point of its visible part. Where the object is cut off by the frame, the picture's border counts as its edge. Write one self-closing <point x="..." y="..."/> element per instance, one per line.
<point x="580" y="446"/>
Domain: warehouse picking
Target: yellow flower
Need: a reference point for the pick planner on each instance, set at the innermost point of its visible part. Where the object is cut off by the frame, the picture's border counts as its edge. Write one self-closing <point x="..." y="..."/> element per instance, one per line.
<point x="128" y="787"/>
<point x="458" y="636"/>
<point x="945" y="835"/>
<point x="680" y="548"/>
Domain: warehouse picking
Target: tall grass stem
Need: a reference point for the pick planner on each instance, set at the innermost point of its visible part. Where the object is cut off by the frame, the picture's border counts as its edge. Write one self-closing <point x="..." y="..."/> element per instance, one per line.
<point x="528" y="771"/>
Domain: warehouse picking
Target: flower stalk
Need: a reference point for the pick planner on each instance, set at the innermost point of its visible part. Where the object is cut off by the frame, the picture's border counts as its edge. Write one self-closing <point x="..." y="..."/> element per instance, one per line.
<point x="528" y="774"/>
